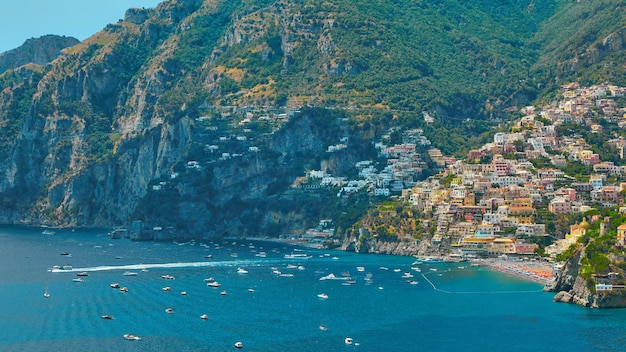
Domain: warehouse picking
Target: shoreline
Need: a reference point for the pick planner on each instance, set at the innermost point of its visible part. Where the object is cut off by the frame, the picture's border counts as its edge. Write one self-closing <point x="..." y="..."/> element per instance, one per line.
<point x="536" y="271"/>
<point x="539" y="272"/>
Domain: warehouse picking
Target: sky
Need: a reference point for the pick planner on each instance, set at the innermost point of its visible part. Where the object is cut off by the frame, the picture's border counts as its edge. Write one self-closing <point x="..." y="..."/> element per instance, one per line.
<point x="25" y="19"/>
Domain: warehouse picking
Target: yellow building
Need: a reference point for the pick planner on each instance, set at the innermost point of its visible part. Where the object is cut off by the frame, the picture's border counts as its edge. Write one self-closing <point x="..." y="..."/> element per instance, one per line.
<point x="502" y="246"/>
<point x="621" y="235"/>
<point x="577" y="231"/>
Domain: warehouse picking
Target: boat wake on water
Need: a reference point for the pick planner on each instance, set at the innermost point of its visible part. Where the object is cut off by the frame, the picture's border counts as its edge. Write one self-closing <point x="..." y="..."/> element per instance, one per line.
<point x="164" y="265"/>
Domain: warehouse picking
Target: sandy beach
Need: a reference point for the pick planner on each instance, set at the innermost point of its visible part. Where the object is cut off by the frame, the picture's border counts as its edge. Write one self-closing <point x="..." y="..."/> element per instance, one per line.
<point x="537" y="271"/>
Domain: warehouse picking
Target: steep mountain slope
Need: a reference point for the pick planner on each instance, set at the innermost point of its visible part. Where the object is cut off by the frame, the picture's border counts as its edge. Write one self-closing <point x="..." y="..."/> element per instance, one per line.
<point x="88" y="139"/>
<point x="583" y="41"/>
<point x="38" y="51"/>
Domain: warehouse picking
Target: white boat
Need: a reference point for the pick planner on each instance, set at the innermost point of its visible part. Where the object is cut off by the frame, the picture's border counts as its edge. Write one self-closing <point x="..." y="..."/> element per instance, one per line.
<point x="348" y="341"/>
<point x="131" y="337"/>
<point x="322" y="295"/>
<point x="297" y="256"/>
<point x="167" y="277"/>
<point x="323" y="327"/>
<point x="47" y="232"/>
<point x="84" y="273"/>
<point x="78" y="279"/>
<point x="129" y="273"/>
<point x="114" y="285"/>
<point x="332" y="276"/>
<point x="261" y="254"/>
<point x="242" y="271"/>
<point x="46" y="294"/>
<point x="204" y="316"/>
<point x="360" y="268"/>
<point x="214" y="284"/>
<point x="107" y="317"/>
<point x="169" y="310"/>
<point x="238" y="344"/>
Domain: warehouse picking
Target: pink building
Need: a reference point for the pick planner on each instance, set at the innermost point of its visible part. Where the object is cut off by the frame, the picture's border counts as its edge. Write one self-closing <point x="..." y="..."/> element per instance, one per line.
<point x="560" y="205"/>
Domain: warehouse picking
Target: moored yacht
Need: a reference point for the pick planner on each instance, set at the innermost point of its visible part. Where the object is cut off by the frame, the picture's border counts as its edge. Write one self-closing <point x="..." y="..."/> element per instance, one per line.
<point x="297" y="256"/>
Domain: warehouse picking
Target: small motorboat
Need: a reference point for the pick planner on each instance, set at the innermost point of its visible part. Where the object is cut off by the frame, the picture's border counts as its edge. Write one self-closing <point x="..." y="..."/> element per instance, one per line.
<point x="124" y="289"/>
<point x="169" y="310"/>
<point x="129" y="273"/>
<point x="46" y="294"/>
<point x="167" y="277"/>
<point x="184" y="293"/>
<point x="348" y="341"/>
<point x="323" y="327"/>
<point x="322" y="296"/>
<point x="114" y="285"/>
<point x="242" y="271"/>
<point x="223" y="293"/>
<point x="214" y="284"/>
<point x="251" y="290"/>
<point x="78" y="279"/>
<point x="84" y="273"/>
<point x="166" y="288"/>
<point x="108" y="317"/>
<point x="131" y="337"/>
<point x="239" y="344"/>
<point x="204" y="316"/>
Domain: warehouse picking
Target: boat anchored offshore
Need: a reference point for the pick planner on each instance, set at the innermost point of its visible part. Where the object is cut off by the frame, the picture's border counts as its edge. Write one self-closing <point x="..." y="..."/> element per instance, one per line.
<point x="131" y="337"/>
<point x="297" y="256"/>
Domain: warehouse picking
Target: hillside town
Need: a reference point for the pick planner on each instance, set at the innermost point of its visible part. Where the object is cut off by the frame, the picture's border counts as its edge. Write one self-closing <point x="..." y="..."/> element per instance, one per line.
<point x="489" y="204"/>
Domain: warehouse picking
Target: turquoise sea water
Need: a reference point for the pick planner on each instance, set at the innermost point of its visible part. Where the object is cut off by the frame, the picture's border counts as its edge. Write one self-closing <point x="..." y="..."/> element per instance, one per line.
<point x="453" y="307"/>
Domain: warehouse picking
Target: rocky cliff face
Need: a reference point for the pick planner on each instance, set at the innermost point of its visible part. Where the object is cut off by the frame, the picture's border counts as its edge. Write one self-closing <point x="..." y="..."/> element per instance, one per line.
<point x="570" y="287"/>
<point x="39" y="51"/>
<point x="98" y="135"/>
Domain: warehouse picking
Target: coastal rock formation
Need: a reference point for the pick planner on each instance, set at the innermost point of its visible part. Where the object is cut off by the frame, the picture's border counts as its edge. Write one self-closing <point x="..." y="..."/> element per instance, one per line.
<point x="573" y="288"/>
